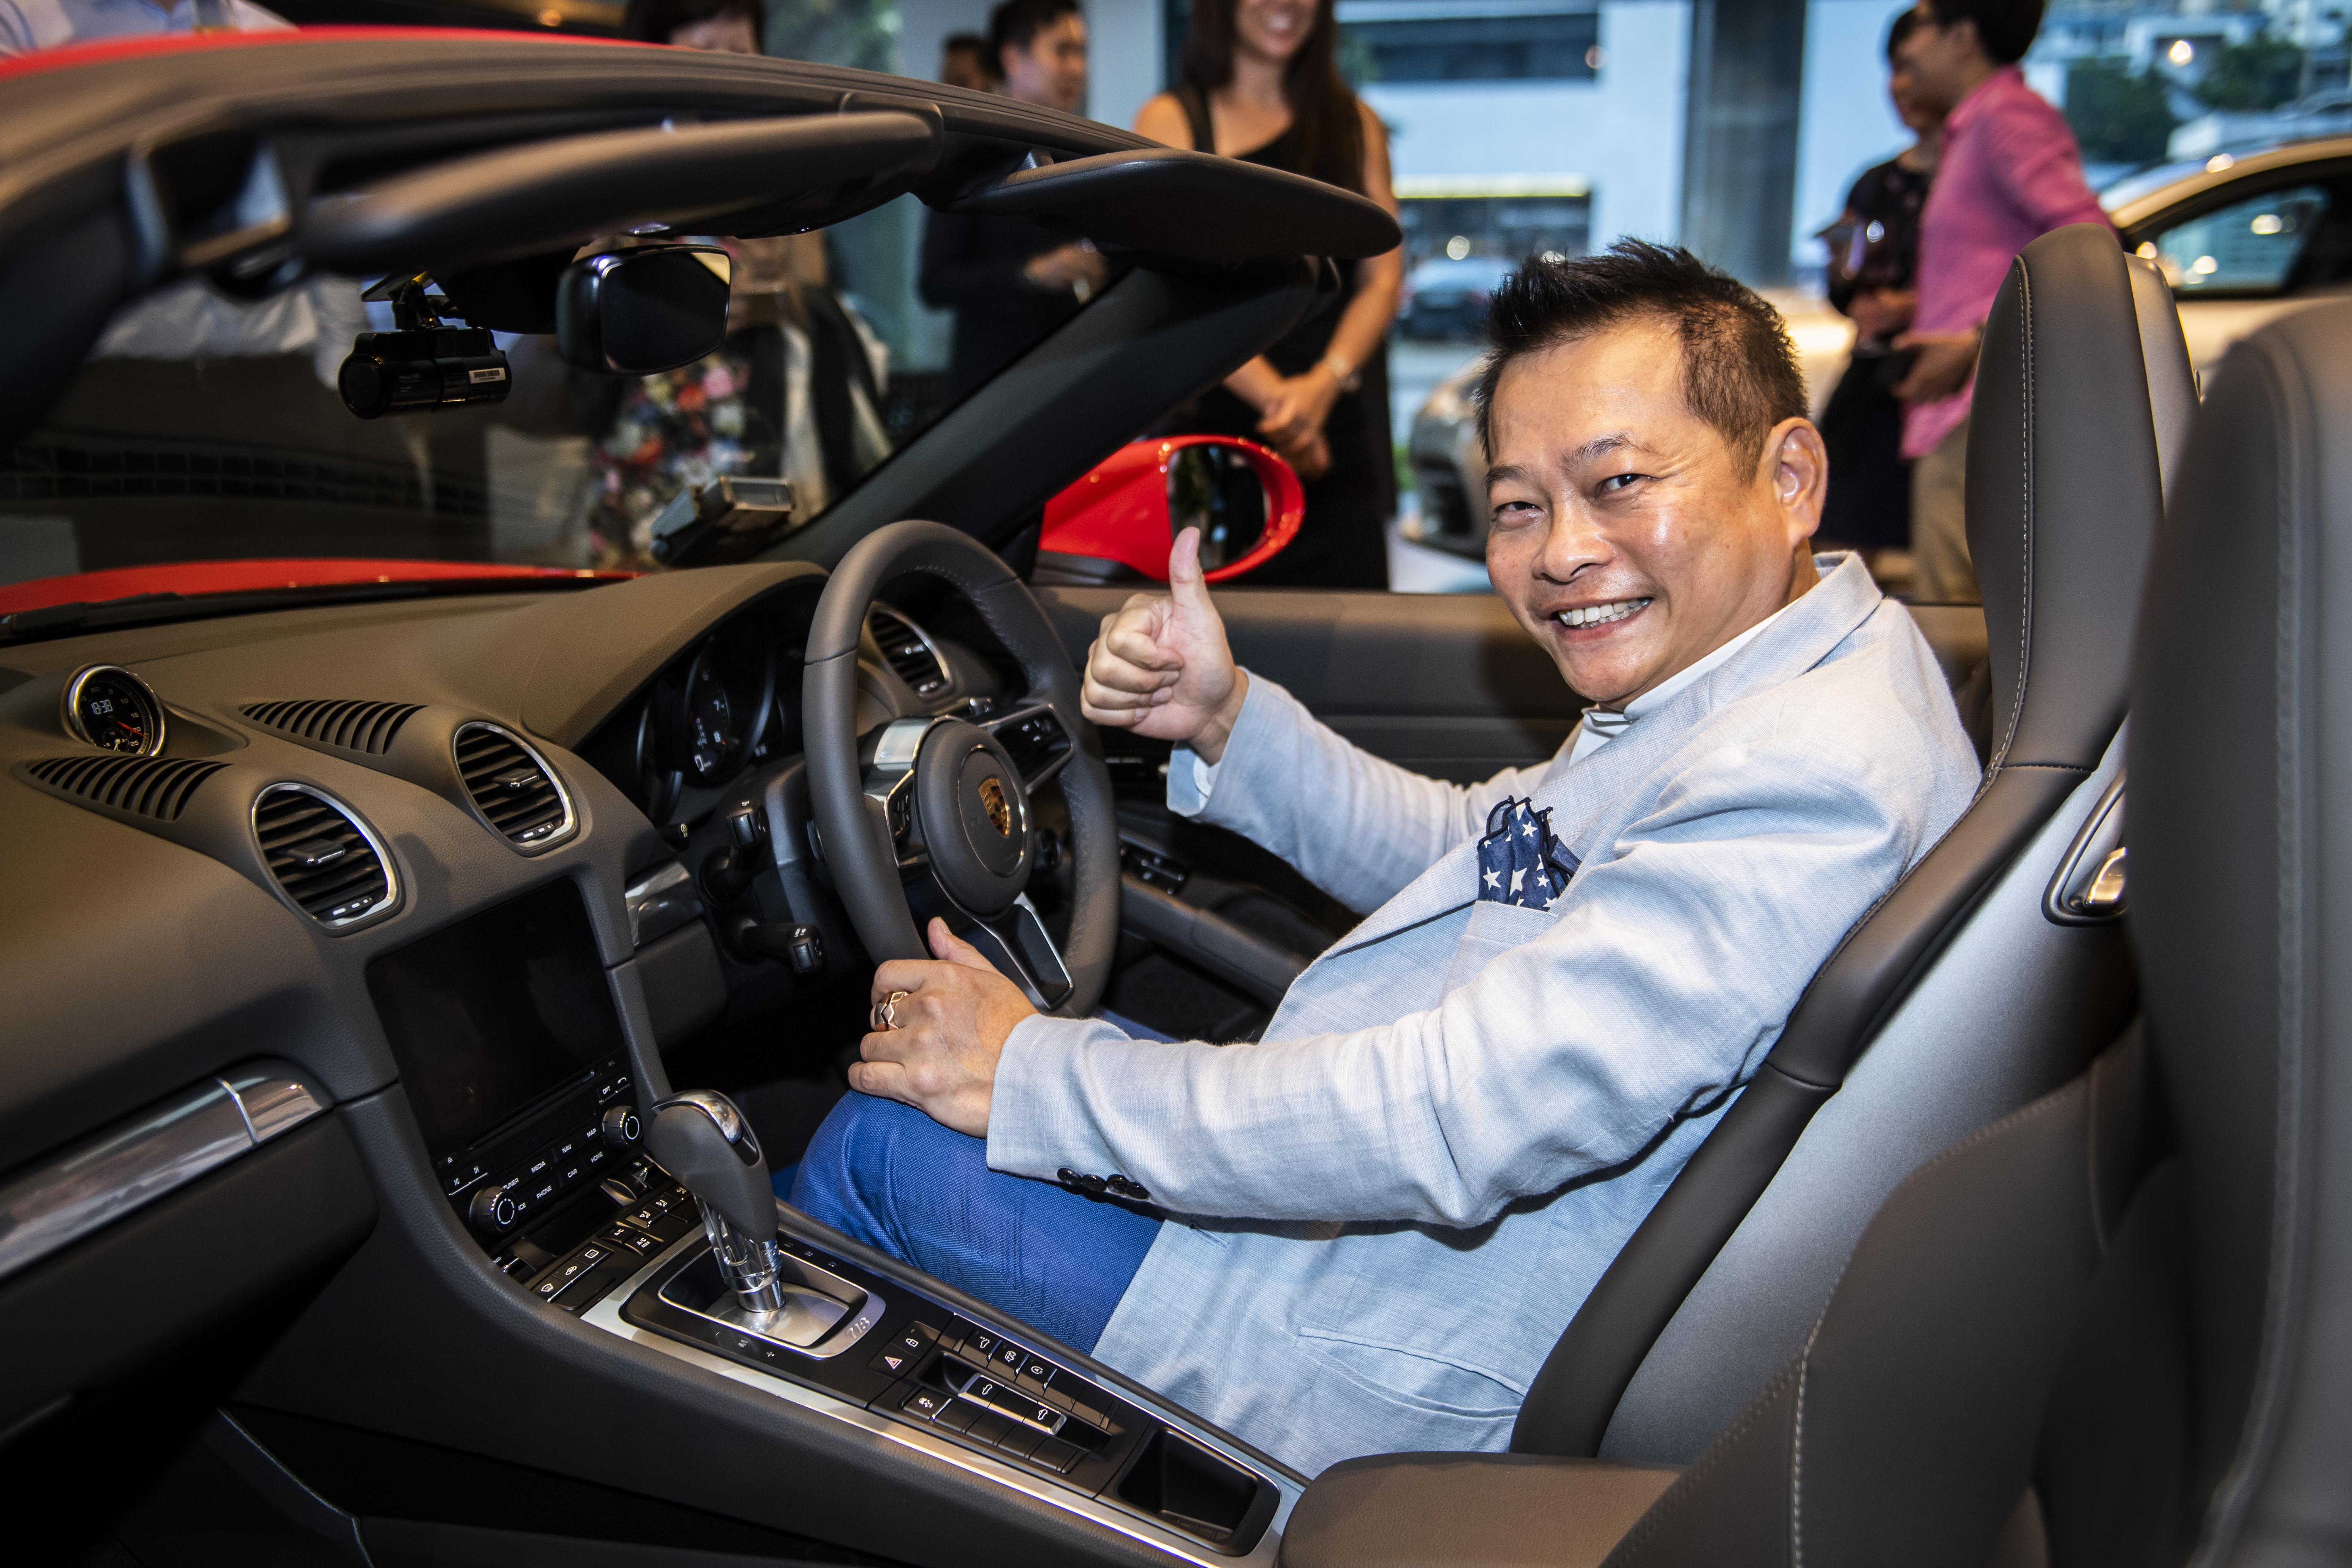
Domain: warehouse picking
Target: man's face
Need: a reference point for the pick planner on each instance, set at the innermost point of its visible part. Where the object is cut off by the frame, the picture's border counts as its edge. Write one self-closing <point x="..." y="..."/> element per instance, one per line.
<point x="1052" y="70"/>
<point x="1935" y="62"/>
<point x="1617" y="506"/>
<point x="728" y="33"/>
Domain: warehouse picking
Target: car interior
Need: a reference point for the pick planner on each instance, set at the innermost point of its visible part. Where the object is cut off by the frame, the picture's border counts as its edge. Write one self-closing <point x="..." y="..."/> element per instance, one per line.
<point x="338" y="1225"/>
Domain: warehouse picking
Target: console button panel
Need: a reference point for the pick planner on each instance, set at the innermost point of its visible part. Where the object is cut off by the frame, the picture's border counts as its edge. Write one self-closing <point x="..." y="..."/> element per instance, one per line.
<point x="963" y="1382"/>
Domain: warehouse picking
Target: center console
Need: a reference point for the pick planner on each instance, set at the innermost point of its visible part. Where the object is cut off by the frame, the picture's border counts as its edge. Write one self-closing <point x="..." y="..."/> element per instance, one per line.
<point x="512" y="1056"/>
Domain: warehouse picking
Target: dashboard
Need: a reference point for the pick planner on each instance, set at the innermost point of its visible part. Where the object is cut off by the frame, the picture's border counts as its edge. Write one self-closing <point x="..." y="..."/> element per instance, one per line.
<point x="374" y="921"/>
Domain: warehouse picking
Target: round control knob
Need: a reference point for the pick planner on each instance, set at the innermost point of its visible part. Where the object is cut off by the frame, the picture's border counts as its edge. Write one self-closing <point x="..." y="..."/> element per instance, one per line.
<point x="492" y="1211"/>
<point x="621" y="1129"/>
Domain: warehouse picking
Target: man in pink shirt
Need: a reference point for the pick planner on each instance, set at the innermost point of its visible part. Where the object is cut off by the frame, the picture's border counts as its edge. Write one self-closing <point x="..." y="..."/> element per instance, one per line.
<point x="2010" y="174"/>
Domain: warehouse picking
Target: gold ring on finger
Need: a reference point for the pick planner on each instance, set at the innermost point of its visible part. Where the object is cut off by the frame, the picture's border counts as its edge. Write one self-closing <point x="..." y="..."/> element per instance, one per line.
<point x="886" y="1012"/>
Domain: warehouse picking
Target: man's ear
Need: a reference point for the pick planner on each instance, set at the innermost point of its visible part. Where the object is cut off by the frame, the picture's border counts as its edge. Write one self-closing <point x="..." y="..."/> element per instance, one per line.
<point x="1797" y="469"/>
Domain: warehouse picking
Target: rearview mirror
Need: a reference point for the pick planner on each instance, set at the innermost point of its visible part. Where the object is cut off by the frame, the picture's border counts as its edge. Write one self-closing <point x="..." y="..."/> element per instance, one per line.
<point x="1244" y="499"/>
<point x="639" y="312"/>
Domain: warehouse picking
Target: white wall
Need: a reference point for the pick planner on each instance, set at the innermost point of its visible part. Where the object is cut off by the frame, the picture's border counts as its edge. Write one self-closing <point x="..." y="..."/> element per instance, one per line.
<point x="1618" y="136"/>
<point x="1845" y="124"/>
<point x="1124" y="63"/>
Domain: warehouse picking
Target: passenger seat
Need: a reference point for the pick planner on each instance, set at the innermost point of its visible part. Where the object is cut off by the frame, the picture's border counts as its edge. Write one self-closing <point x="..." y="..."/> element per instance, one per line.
<point x="1986" y="978"/>
<point x="2107" y="1330"/>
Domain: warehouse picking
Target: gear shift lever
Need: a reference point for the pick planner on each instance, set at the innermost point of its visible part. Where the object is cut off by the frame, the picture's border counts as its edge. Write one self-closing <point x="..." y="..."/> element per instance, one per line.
<point x="702" y="1140"/>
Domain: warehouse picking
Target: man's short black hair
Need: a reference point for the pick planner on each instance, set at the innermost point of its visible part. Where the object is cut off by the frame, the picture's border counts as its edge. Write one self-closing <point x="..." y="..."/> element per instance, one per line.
<point x="1012" y="25"/>
<point x="2005" y="28"/>
<point x="1905" y="23"/>
<point x="1739" y="369"/>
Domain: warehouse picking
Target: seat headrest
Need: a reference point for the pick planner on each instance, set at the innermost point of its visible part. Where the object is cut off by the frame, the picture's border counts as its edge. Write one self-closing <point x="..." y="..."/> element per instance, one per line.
<point x="2064" y="492"/>
<point x="2242" y="899"/>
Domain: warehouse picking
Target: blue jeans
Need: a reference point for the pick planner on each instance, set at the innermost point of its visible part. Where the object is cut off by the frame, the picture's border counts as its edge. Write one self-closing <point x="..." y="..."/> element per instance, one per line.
<point x="902" y="1183"/>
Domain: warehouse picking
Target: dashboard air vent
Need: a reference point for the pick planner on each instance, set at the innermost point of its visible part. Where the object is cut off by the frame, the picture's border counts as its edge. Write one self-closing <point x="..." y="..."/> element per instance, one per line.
<point x="909" y="651"/>
<point x="158" y="788"/>
<point x="353" y="725"/>
<point x="331" y="868"/>
<point x="512" y="788"/>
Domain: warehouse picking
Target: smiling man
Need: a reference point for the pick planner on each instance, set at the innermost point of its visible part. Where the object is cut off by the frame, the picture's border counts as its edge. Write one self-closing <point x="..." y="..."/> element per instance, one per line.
<point x="1364" y="1233"/>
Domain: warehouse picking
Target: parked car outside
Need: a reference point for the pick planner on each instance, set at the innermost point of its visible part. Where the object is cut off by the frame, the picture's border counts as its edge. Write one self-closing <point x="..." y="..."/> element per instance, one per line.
<point x="2244" y="238"/>
<point x="1447" y="298"/>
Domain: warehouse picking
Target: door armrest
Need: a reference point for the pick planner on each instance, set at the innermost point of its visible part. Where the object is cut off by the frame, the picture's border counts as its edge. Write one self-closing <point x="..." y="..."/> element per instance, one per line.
<point x="1413" y="1511"/>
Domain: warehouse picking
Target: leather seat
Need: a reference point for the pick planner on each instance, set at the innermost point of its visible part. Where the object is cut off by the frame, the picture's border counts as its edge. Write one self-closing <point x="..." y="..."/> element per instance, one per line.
<point x="1960" y="998"/>
<point x="2130" y="1294"/>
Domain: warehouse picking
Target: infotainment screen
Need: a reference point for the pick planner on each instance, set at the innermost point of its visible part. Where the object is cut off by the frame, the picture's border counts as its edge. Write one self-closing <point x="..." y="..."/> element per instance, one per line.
<point x="490" y="1015"/>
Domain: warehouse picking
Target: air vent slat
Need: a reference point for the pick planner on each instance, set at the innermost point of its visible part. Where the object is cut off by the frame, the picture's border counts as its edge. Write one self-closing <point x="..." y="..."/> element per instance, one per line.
<point x="512" y="787"/>
<point x="300" y="831"/>
<point x="346" y="723"/>
<point x="155" y="787"/>
<point x="908" y="652"/>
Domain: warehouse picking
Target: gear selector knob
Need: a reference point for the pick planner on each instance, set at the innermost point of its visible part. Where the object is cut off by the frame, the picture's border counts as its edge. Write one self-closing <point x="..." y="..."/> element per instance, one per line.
<point x="702" y="1140"/>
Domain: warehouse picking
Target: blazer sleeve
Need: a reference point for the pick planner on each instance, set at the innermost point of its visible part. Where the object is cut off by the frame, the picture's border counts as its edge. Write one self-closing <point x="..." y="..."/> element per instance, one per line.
<point x="1355" y="826"/>
<point x="1670" y="968"/>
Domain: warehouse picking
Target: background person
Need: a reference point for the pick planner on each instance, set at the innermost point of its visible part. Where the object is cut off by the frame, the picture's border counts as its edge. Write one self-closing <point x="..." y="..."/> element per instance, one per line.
<point x="1258" y="83"/>
<point x="720" y="26"/>
<point x="1873" y="259"/>
<point x="2010" y="174"/>
<point x="964" y="62"/>
<point x="1009" y="282"/>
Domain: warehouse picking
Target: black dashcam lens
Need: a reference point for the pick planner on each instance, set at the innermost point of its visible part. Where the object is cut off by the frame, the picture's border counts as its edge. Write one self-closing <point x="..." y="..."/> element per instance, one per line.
<point x="422" y="369"/>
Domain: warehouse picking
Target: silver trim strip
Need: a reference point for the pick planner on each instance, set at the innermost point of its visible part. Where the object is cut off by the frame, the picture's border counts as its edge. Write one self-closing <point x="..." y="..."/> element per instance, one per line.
<point x="139" y="1160"/>
<point x="562" y="830"/>
<point x="606" y="1315"/>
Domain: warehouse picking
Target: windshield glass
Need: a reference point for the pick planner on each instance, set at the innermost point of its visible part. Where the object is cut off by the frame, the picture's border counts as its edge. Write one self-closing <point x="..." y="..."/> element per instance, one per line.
<point x="203" y="428"/>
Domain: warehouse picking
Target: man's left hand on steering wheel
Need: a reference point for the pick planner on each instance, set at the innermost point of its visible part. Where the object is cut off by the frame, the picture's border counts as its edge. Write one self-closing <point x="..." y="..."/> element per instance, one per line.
<point x="939" y="1029"/>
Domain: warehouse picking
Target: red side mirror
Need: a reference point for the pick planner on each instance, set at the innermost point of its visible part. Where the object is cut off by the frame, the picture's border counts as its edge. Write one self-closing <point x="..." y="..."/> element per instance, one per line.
<point x="1245" y="500"/>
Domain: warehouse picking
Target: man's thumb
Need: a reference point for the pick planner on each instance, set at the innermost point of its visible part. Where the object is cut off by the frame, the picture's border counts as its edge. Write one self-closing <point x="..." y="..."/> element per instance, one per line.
<point x="1185" y="584"/>
<point x="949" y="947"/>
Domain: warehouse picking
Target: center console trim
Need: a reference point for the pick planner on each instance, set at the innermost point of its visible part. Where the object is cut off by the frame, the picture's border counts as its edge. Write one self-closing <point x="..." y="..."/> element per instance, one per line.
<point x="606" y="1315"/>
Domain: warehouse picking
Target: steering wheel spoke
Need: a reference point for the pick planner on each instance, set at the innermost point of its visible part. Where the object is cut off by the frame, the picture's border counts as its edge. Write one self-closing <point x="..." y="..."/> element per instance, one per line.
<point x="1035" y="738"/>
<point x="1017" y="942"/>
<point x="932" y="815"/>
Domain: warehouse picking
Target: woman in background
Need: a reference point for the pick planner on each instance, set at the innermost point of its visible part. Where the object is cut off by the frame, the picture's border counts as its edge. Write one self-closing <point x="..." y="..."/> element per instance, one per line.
<point x="1258" y="83"/>
<point x="1874" y="260"/>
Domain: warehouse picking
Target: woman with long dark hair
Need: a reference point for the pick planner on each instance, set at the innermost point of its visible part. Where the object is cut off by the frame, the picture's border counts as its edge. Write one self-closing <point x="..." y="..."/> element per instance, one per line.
<point x="1258" y="82"/>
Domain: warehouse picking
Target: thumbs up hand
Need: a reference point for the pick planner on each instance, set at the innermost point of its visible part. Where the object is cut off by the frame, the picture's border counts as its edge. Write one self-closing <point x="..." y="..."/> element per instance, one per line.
<point x="1162" y="668"/>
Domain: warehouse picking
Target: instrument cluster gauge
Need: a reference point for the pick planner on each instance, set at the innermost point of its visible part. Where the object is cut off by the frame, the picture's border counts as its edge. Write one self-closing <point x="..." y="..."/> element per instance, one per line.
<point x="107" y="706"/>
<point x="711" y="734"/>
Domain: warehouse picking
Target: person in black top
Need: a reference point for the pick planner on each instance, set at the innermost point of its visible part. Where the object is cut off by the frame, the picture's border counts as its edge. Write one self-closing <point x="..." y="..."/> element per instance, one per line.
<point x="1873" y="258"/>
<point x="1258" y="83"/>
<point x="1009" y="282"/>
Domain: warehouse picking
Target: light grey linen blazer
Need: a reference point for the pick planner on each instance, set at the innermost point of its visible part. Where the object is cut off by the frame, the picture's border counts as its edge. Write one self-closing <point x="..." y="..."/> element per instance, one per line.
<point x="1384" y="1214"/>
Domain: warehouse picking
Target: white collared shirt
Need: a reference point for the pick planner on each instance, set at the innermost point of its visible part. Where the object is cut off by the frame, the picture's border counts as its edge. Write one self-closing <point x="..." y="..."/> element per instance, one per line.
<point x="1600" y="726"/>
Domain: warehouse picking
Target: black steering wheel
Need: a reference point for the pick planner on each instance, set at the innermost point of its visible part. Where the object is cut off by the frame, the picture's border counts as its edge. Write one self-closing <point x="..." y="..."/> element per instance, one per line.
<point x="938" y="821"/>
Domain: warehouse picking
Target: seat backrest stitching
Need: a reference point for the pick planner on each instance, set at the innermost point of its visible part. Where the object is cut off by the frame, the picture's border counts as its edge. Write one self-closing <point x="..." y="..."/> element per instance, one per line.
<point x="2025" y="522"/>
<point x="1797" y="1455"/>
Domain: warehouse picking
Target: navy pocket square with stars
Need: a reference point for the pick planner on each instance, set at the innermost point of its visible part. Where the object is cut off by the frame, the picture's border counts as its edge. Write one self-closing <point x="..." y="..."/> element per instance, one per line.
<point x="1519" y="861"/>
